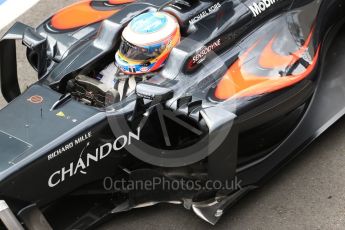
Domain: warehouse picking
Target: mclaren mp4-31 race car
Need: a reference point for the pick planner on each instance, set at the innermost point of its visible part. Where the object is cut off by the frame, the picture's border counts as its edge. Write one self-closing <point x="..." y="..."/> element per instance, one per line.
<point x="143" y="102"/>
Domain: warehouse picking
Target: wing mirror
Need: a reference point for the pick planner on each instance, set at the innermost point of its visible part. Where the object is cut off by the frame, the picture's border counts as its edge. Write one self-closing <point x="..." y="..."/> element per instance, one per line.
<point x="154" y="92"/>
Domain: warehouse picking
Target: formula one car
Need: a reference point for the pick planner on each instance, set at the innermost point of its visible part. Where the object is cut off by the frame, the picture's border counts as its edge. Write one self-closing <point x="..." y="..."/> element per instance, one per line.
<point x="205" y="99"/>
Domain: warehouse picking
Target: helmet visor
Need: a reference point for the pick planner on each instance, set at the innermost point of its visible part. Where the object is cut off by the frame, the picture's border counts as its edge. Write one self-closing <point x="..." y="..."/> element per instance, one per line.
<point x="138" y="53"/>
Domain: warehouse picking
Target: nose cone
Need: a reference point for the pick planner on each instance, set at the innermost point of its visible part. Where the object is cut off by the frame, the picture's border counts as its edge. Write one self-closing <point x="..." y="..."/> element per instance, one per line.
<point x="10" y="148"/>
<point x="27" y="124"/>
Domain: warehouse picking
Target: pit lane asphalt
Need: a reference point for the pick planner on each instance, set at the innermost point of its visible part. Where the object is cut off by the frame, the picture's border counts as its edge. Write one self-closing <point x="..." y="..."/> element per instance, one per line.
<point x="308" y="194"/>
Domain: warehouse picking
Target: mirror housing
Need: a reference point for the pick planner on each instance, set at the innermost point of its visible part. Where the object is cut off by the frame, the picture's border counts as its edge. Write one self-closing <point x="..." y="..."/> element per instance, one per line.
<point x="154" y="92"/>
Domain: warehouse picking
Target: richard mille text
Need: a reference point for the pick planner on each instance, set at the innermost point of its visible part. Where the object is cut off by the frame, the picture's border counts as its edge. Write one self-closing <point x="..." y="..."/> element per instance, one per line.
<point x="91" y="158"/>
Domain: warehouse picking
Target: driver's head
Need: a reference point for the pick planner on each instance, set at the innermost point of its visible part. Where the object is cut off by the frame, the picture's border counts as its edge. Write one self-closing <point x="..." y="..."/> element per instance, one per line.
<point x="147" y="42"/>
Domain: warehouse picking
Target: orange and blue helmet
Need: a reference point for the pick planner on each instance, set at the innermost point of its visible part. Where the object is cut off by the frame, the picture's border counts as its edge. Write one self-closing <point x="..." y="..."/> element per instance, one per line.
<point x="147" y="42"/>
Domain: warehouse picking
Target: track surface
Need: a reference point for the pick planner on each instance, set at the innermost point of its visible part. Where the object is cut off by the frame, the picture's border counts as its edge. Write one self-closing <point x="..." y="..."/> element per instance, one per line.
<point x="307" y="194"/>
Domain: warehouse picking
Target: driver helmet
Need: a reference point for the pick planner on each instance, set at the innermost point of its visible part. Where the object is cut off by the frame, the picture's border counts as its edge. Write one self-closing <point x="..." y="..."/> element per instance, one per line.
<point x="147" y="42"/>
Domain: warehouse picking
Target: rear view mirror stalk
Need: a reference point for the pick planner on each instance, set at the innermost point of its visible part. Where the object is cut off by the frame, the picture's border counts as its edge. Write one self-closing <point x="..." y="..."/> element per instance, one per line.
<point x="8" y="61"/>
<point x="8" y="70"/>
<point x="8" y="57"/>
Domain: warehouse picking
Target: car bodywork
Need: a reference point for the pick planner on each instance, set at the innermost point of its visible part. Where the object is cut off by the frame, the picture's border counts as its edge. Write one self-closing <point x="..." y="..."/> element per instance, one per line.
<point x="245" y="91"/>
